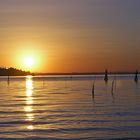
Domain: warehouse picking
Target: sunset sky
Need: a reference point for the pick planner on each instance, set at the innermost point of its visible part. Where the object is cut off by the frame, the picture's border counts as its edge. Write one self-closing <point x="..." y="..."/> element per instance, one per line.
<point x="70" y="35"/>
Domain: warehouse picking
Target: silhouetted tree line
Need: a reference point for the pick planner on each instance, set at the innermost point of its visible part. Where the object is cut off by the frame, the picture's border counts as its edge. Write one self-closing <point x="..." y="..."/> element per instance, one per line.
<point x="13" y="72"/>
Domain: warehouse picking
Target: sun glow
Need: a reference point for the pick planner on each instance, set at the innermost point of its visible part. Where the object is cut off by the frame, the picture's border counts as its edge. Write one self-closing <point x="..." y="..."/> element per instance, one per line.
<point x="29" y="62"/>
<point x="30" y="59"/>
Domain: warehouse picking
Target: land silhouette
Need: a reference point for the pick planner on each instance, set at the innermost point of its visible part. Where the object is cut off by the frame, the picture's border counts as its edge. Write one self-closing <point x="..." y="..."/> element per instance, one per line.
<point x="13" y="72"/>
<point x="18" y="72"/>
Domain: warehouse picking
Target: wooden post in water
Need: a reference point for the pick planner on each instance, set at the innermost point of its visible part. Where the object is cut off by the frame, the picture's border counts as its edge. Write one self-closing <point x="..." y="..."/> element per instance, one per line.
<point x="115" y="82"/>
<point x="136" y="76"/>
<point x="8" y="79"/>
<point x="43" y="82"/>
<point x="93" y="90"/>
<point x="106" y="76"/>
<point x="112" y="88"/>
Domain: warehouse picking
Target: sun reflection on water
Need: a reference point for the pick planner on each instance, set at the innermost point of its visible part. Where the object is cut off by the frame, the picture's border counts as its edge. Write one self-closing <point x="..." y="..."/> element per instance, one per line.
<point x="29" y="101"/>
<point x="30" y="117"/>
<point x="30" y="127"/>
<point x="28" y="109"/>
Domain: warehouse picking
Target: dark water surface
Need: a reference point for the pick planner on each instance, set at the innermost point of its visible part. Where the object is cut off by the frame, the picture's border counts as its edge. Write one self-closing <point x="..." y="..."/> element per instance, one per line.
<point x="61" y="107"/>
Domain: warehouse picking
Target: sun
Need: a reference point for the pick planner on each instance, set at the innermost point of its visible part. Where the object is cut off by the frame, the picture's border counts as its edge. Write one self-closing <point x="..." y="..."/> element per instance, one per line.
<point x="29" y="62"/>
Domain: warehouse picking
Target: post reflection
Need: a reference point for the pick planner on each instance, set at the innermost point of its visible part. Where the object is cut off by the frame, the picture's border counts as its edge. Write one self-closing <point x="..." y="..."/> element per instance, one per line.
<point x="29" y="101"/>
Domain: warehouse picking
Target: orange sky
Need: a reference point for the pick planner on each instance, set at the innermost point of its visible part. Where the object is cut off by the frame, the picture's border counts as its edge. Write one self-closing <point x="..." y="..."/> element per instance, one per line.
<point x="69" y="36"/>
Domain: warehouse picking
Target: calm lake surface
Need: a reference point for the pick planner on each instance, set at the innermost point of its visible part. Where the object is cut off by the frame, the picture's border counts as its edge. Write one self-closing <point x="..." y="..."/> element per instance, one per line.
<point x="63" y="107"/>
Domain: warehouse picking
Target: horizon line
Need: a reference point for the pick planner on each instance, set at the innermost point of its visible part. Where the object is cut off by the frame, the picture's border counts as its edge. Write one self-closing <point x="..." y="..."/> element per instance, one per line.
<point x="83" y="73"/>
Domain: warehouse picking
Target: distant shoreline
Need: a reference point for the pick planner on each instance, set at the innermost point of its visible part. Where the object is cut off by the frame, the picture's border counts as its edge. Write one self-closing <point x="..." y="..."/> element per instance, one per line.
<point x="69" y="74"/>
<point x="16" y="72"/>
<point x="92" y="73"/>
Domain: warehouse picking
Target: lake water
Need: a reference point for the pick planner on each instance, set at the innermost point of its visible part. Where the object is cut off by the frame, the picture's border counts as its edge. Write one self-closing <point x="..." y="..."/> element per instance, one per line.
<point x="64" y="107"/>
